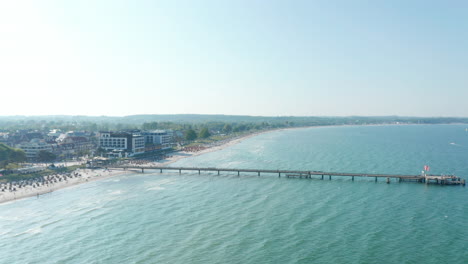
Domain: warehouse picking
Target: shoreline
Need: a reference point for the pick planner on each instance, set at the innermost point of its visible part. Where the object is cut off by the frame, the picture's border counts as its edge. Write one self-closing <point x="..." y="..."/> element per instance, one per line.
<point x="85" y="175"/>
<point x="179" y="155"/>
<point x="90" y="175"/>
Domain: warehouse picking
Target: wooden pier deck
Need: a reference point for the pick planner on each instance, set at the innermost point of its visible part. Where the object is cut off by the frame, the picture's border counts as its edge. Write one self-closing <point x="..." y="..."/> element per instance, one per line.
<point x="439" y="179"/>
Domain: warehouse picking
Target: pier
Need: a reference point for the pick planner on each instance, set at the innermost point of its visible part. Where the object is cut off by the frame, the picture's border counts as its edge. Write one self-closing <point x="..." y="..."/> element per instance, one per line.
<point x="438" y="179"/>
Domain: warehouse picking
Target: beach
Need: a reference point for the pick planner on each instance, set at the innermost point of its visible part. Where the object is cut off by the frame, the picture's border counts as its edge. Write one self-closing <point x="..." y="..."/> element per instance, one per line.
<point x="47" y="184"/>
<point x="87" y="175"/>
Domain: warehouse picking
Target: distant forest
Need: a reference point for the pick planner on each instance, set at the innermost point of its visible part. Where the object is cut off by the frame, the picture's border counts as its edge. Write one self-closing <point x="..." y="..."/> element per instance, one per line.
<point x="193" y="121"/>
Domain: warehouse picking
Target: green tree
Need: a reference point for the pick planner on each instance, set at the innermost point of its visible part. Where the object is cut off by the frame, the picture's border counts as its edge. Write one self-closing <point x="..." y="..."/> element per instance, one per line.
<point x="46" y="156"/>
<point x="240" y="128"/>
<point x="227" y="128"/>
<point x="18" y="155"/>
<point x="150" y="126"/>
<point x="190" y="134"/>
<point x="4" y="155"/>
<point x="10" y="155"/>
<point x="100" y="151"/>
<point x="204" y="133"/>
<point x="82" y="153"/>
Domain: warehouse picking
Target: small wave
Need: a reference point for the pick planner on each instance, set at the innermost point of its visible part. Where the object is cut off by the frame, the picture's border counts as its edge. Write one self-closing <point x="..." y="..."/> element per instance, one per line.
<point x="87" y="211"/>
<point x="4" y="232"/>
<point x="32" y="231"/>
<point x="9" y="202"/>
<point x="49" y="223"/>
<point x="156" y="188"/>
<point x="116" y="192"/>
<point x="15" y="218"/>
<point x="163" y="181"/>
<point x="111" y="180"/>
<point x="35" y="230"/>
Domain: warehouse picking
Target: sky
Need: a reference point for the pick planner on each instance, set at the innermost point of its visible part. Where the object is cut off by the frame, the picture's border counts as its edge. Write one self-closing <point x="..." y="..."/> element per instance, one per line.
<point x="243" y="57"/>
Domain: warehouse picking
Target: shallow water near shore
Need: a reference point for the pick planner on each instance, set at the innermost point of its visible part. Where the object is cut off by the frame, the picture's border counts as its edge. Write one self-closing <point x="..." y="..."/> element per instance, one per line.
<point x="191" y="218"/>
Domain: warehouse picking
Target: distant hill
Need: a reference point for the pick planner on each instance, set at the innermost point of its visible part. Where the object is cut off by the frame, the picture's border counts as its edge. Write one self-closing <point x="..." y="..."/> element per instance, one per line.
<point x="212" y="122"/>
<point x="198" y="118"/>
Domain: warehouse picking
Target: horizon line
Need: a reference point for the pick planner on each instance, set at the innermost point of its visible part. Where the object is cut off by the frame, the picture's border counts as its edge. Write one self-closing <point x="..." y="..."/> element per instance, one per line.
<point x="194" y="114"/>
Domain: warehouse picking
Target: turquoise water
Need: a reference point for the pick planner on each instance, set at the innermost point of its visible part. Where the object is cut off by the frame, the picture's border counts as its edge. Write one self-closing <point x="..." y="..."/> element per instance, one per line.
<point x="191" y="218"/>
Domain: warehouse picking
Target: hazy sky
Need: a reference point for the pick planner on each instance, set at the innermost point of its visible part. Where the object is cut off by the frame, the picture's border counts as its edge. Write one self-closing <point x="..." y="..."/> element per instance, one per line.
<point x="234" y="57"/>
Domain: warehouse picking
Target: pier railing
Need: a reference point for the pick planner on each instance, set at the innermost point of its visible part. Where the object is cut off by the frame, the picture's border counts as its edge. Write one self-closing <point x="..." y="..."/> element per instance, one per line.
<point x="440" y="179"/>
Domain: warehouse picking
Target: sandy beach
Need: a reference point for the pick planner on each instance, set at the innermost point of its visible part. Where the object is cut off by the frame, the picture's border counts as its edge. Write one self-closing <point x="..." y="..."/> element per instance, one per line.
<point x="216" y="146"/>
<point x="58" y="181"/>
<point x="19" y="190"/>
<point x="29" y="189"/>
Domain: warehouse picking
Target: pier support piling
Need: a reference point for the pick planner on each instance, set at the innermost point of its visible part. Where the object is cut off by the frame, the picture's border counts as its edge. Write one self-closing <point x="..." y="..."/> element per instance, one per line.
<point x="428" y="179"/>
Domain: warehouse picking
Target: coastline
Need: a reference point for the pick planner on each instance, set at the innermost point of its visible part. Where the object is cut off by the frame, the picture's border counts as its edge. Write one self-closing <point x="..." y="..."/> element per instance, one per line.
<point x="89" y="175"/>
<point x="86" y="175"/>
<point x="178" y="155"/>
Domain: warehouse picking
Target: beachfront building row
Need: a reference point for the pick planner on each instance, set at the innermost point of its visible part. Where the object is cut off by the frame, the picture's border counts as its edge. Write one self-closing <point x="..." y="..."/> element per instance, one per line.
<point x="73" y="144"/>
<point x="122" y="144"/>
<point x="67" y="148"/>
<point x="33" y="147"/>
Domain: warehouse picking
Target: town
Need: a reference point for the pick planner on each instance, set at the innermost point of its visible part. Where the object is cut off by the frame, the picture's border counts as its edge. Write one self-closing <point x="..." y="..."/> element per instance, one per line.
<point x="40" y="146"/>
<point x="28" y="150"/>
<point x="28" y="145"/>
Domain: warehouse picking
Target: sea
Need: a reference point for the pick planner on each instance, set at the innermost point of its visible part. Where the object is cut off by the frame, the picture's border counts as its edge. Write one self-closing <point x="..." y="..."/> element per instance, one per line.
<point x="189" y="218"/>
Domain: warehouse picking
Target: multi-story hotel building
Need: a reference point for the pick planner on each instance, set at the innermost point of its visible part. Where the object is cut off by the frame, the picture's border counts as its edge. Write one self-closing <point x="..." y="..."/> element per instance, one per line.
<point x="158" y="137"/>
<point x="33" y="148"/>
<point x="132" y="143"/>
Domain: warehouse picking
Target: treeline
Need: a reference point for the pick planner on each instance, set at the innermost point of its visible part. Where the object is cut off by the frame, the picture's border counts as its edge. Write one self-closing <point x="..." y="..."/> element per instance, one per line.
<point x="10" y="155"/>
<point x="197" y="122"/>
<point x="213" y="126"/>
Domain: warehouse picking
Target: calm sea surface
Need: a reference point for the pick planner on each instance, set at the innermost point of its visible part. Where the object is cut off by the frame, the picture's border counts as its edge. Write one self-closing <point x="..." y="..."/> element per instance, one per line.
<point x="191" y="218"/>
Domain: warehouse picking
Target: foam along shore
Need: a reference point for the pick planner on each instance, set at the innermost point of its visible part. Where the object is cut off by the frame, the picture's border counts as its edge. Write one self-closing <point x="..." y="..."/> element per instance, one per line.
<point x="46" y="184"/>
<point x="27" y="188"/>
<point x="215" y="146"/>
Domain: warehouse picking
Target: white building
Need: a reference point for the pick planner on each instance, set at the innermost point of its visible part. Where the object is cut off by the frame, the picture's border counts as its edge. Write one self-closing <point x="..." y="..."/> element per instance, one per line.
<point x="54" y="133"/>
<point x="132" y="143"/>
<point x="33" y="147"/>
<point x="158" y="137"/>
<point x="138" y="144"/>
